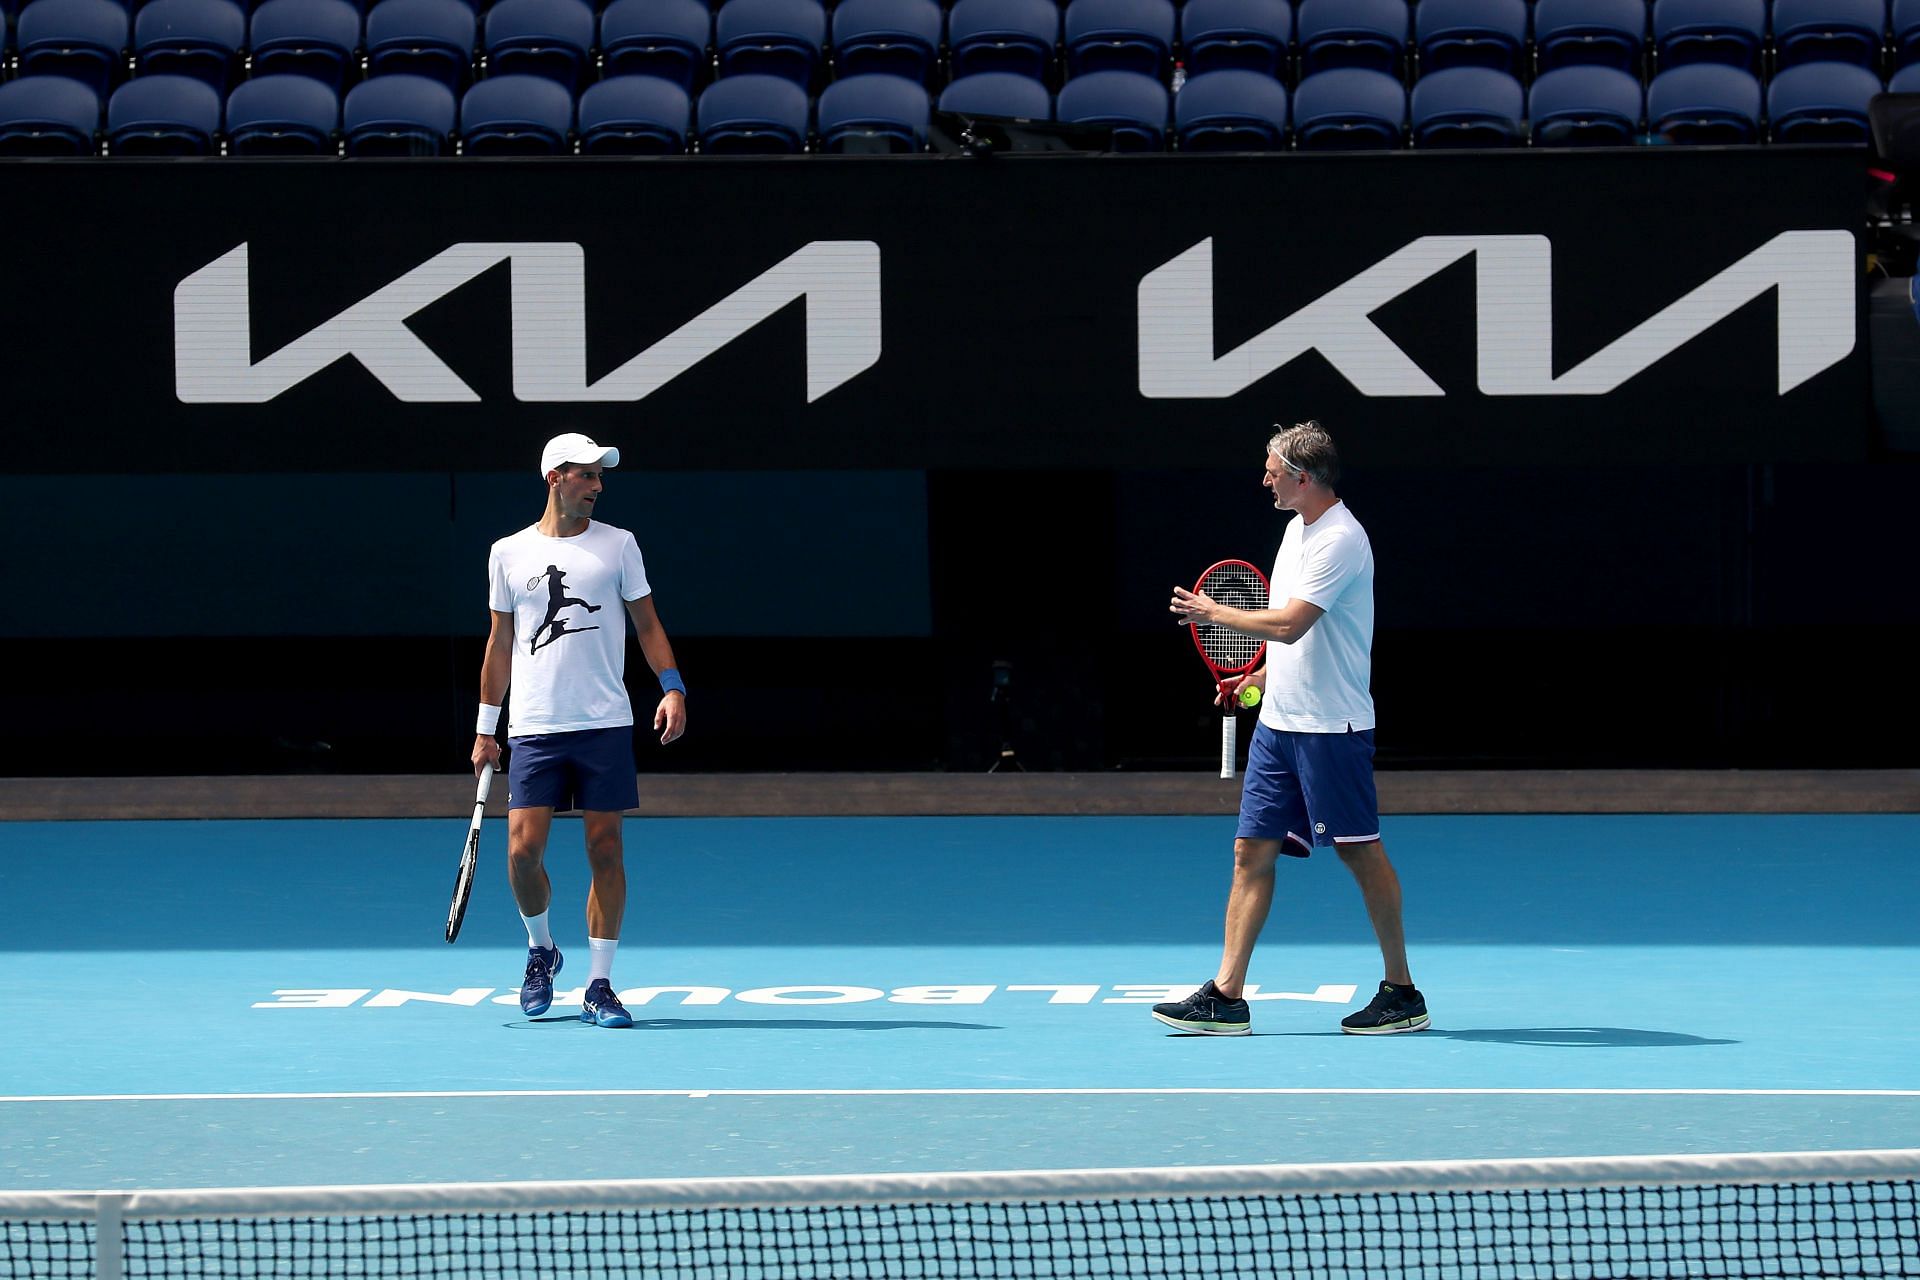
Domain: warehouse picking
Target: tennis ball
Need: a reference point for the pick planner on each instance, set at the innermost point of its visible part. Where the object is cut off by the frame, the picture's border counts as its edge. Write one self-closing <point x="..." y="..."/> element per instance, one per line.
<point x="1250" y="695"/>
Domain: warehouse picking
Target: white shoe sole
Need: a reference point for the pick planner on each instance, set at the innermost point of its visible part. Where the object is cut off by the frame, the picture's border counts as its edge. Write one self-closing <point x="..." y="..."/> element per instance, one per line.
<point x="1420" y="1023"/>
<point x="1206" y="1028"/>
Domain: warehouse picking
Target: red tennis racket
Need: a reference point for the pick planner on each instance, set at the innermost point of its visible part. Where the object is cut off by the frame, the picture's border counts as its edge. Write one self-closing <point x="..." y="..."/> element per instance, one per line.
<point x="1225" y="651"/>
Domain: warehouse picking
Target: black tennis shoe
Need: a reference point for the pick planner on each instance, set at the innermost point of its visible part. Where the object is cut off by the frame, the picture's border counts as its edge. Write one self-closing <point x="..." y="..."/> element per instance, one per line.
<point x="536" y="989"/>
<point x="1393" y="1009"/>
<point x="1206" y="1012"/>
<point x="603" y="1008"/>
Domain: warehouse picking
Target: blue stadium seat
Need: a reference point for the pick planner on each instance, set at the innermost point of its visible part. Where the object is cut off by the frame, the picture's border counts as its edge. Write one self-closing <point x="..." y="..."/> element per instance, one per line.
<point x="551" y="38"/>
<point x="1349" y="109"/>
<point x="1120" y="35"/>
<point x="1905" y="80"/>
<point x="163" y="115"/>
<point x="635" y="116"/>
<point x="1728" y="32"/>
<point x="1231" y="110"/>
<point x="316" y="38"/>
<point x="664" y="38"/>
<point x="283" y="115"/>
<point x="1583" y="33"/>
<point x="1470" y="33"/>
<point x="1828" y="31"/>
<point x="399" y="115"/>
<point x="1369" y="34"/>
<point x="431" y="38"/>
<point x="516" y="115"/>
<point x="890" y="37"/>
<point x="1018" y="36"/>
<point x="1705" y="103"/>
<point x="873" y="114"/>
<point x="1468" y="107"/>
<point x="771" y="37"/>
<point x="85" y="40"/>
<point x="1824" y="102"/>
<point x="48" y="116"/>
<point x="1132" y="105"/>
<point x="1585" y="106"/>
<point x="752" y="115"/>
<point x="1906" y="32"/>
<point x="1244" y="35"/>
<point x="998" y="93"/>
<point x="198" y="38"/>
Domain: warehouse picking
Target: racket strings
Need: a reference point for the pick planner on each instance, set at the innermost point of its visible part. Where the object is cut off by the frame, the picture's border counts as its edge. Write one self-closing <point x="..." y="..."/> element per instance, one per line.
<point x="1239" y="587"/>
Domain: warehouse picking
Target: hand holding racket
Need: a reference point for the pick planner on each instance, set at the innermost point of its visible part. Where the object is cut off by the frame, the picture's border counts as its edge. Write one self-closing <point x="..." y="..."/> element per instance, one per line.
<point x="469" y="856"/>
<point x="1229" y="654"/>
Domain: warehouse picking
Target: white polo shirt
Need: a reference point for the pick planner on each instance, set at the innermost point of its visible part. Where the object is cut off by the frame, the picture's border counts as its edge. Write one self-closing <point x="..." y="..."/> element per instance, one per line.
<point x="1321" y="683"/>
<point x="568" y="600"/>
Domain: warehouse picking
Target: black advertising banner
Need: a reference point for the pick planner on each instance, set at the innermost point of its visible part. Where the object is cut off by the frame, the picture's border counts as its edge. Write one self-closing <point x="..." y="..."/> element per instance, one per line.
<point x="1033" y="312"/>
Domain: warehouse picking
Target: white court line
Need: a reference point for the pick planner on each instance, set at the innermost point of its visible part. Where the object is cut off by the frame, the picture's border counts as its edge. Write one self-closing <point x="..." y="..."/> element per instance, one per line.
<point x="348" y="1096"/>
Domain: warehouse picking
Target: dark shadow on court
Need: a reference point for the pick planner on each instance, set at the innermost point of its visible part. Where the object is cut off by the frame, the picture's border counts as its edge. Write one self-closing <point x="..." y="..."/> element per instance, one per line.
<point x="1556" y="1037"/>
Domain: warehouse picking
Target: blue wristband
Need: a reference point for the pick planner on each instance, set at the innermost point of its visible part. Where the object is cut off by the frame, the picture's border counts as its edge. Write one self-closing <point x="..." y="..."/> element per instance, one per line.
<point x="670" y="682"/>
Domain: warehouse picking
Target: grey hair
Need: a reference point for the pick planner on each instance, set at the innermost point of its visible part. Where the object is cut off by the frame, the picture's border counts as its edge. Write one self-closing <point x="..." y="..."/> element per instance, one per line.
<point x="1307" y="448"/>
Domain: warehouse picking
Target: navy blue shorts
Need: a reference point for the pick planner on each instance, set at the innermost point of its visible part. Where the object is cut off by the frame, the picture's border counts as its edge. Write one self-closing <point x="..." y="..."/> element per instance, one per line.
<point x="588" y="769"/>
<point x="1309" y="789"/>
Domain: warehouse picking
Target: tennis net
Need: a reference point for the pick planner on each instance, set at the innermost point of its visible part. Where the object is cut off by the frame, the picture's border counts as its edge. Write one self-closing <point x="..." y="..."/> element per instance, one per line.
<point x="1842" y="1214"/>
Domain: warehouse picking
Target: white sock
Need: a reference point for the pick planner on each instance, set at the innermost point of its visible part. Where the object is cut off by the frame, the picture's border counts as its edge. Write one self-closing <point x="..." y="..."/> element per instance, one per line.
<point x="602" y="958"/>
<point x="537" y="932"/>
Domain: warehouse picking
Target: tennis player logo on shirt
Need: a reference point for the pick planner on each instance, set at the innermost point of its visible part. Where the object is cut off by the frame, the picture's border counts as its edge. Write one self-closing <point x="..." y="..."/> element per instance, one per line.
<point x="556" y="626"/>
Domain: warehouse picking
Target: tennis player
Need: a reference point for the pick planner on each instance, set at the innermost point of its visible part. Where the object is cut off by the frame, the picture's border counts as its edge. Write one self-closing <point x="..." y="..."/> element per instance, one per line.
<point x="1309" y="780"/>
<point x="572" y="724"/>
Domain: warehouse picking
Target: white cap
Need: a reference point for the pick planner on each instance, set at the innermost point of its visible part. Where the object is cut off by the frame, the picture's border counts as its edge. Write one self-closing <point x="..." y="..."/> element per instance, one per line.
<point x="574" y="447"/>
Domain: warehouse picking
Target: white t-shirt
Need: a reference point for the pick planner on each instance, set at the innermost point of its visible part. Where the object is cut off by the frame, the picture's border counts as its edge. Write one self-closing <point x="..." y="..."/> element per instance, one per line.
<point x="1321" y="682"/>
<point x="567" y="598"/>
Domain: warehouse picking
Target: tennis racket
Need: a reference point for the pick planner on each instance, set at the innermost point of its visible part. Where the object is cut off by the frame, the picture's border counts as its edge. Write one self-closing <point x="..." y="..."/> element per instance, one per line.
<point x="1227" y="652"/>
<point x="469" y="857"/>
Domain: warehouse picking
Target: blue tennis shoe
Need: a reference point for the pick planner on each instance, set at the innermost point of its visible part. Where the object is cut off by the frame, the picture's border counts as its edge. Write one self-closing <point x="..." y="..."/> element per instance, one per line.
<point x="536" y="989"/>
<point x="603" y="1008"/>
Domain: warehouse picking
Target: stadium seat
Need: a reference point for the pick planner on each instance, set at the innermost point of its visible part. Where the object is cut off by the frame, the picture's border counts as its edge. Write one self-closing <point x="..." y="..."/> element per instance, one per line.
<point x="1906" y="32"/>
<point x="516" y="115"/>
<point x="1585" y="106"/>
<point x="1244" y="35"/>
<point x="198" y="38"/>
<point x="752" y="115"/>
<point x="771" y="37"/>
<point x="163" y="115"/>
<point x="1231" y="110"/>
<point x="1368" y="34"/>
<point x="1823" y="102"/>
<point x="1132" y="105"/>
<point x="1705" y="103"/>
<point x="998" y="93"/>
<point x="1349" y="109"/>
<point x="1017" y="36"/>
<point x="551" y="38"/>
<point x="48" y="116"/>
<point x="635" y="116"/>
<point x="1468" y="107"/>
<point x="668" y="39"/>
<point x="873" y="114"/>
<point x="398" y="115"/>
<point x="1905" y="80"/>
<point x="1120" y="35"/>
<point x="316" y="38"/>
<point x="84" y="40"/>
<point x="1828" y="31"/>
<point x="283" y="115"/>
<point x="1728" y="32"/>
<point x="431" y="38"/>
<point x="1470" y="33"/>
<point x="1580" y="33"/>
<point x="890" y="37"/>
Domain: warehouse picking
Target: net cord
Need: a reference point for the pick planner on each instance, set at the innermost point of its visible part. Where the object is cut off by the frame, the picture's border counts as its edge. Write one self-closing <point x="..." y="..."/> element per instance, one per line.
<point x="109" y="1208"/>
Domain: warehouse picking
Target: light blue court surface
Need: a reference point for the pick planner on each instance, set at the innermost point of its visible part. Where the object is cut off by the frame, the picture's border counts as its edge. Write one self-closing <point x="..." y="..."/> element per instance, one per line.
<point x="259" y="1003"/>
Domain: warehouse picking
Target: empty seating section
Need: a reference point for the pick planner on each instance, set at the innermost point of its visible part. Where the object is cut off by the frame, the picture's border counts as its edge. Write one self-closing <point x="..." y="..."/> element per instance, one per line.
<point x="667" y="77"/>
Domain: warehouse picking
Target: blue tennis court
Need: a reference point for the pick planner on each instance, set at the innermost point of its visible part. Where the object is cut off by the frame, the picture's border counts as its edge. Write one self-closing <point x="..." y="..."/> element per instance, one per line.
<point x="261" y="1003"/>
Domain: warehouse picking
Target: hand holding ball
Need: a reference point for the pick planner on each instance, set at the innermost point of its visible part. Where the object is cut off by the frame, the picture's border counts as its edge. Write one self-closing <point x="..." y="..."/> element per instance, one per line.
<point x="1250" y="695"/>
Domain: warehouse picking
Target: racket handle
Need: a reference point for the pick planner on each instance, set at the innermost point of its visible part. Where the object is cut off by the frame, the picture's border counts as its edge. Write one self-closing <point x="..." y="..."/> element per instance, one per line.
<point x="485" y="788"/>
<point x="1229" y="743"/>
